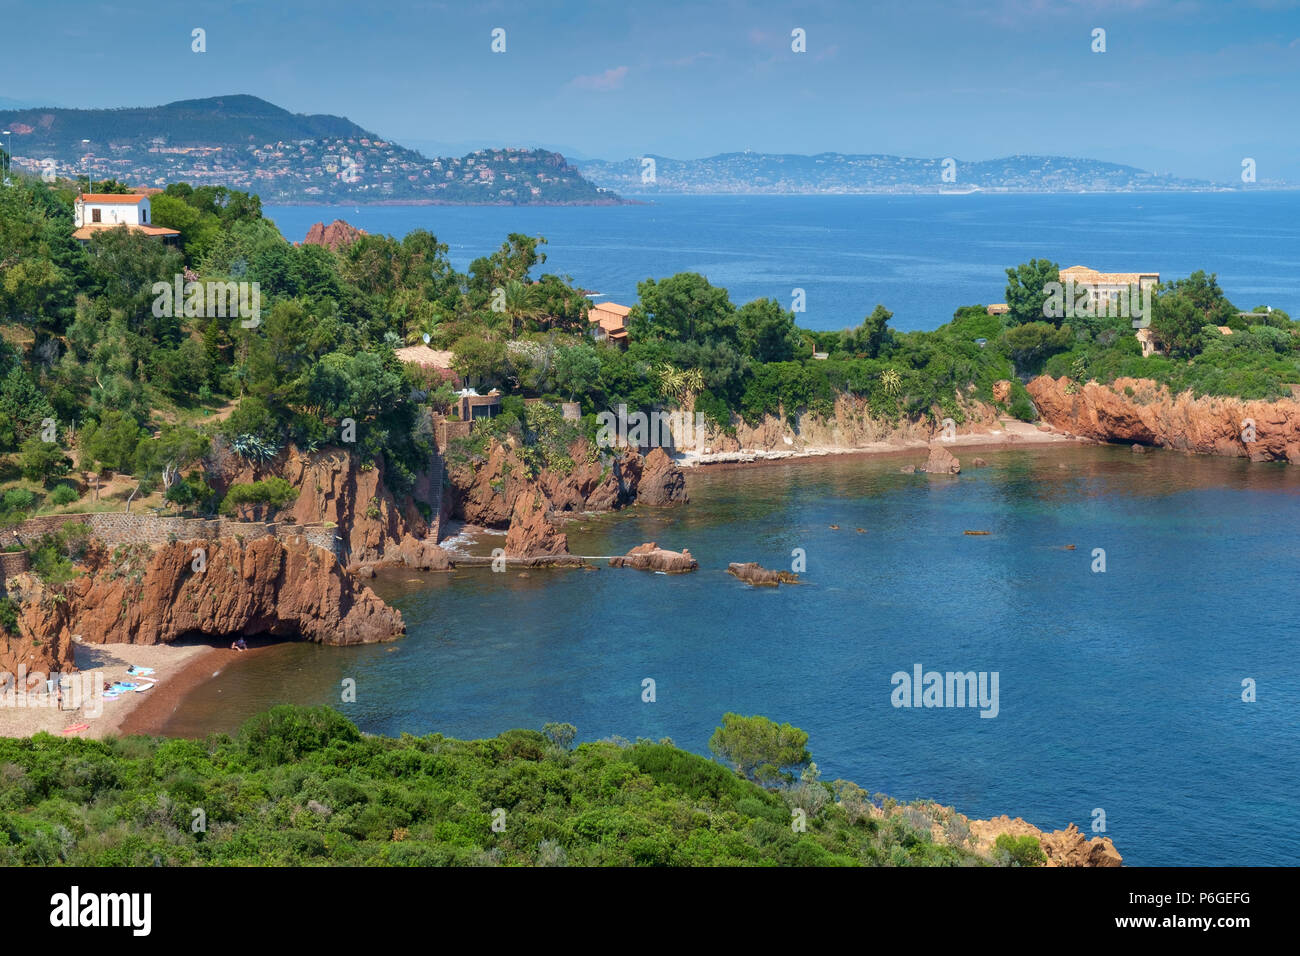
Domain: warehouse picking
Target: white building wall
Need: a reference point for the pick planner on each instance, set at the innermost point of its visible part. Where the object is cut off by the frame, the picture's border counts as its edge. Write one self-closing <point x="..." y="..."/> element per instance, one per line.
<point x="115" y="214"/>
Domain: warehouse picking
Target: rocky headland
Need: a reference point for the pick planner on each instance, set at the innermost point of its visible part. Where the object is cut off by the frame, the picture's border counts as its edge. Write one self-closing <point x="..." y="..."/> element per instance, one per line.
<point x="1144" y="412"/>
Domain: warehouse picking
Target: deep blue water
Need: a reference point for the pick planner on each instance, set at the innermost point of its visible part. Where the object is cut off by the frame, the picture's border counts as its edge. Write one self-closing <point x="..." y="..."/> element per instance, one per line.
<point x="1118" y="690"/>
<point x="921" y="256"/>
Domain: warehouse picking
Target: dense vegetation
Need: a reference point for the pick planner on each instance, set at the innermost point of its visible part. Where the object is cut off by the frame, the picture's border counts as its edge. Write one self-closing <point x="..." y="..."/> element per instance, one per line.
<point x="303" y="786"/>
<point x="168" y="396"/>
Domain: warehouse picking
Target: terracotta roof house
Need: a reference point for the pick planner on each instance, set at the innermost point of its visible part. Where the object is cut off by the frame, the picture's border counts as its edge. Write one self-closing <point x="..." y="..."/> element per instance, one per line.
<point x="1108" y="286"/>
<point x="97" y="211"/>
<point x="438" y="362"/>
<point x="609" y="322"/>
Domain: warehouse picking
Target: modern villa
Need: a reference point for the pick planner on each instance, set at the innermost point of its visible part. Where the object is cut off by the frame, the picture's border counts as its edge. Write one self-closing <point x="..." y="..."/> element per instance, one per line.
<point x="609" y="322"/>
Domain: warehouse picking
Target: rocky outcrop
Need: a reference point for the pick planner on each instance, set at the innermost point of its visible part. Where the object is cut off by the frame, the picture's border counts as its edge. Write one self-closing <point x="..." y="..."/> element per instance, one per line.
<point x="759" y="576"/>
<point x="941" y="462"/>
<point x="419" y="554"/>
<point x="485" y="489"/>
<point x="531" y="533"/>
<point x="1066" y="847"/>
<point x="36" y="646"/>
<point x="1002" y="391"/>
<point x="651" y="557"/>
<point x="658" y="481"/>
<point x="1145" y="412"/>
<point x="334" y="236"/>
<point x="218" y="588"/>
<point x="335" y="488"/>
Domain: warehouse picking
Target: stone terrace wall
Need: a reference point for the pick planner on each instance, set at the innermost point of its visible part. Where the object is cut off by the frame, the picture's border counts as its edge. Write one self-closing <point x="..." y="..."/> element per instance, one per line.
<point x="117" y="527"/>
<point x="11" y="563"/>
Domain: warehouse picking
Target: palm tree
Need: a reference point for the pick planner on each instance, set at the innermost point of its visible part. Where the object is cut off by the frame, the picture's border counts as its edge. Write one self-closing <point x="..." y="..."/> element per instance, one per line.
<point x="521" y="304"/>
<point x="427" y="329"/>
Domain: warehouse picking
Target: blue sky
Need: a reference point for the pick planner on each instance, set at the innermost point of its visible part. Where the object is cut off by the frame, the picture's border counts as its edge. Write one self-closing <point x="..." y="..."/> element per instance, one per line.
<point x="1185" y="86"/>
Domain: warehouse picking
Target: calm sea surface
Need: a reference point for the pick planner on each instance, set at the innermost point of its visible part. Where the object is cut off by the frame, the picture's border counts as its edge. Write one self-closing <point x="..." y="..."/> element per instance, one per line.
<point x="922" y="256"/>
<point x="1118" y="690"/>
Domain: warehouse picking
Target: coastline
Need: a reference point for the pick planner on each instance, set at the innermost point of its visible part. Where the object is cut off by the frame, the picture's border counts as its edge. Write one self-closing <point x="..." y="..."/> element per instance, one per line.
<point x="1012" y="434"/>
<point x="177" y="669"/>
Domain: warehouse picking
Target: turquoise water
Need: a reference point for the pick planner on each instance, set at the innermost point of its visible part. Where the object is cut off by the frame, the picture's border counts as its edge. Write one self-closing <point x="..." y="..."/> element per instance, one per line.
<point x="1118" y="690"/>
<point x="922" y="256"/>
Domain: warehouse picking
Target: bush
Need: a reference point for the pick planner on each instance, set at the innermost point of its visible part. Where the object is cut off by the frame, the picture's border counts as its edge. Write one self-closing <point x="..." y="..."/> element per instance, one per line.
<point x="274" y="492"/>
<point x="43" y="461"/>
<point x="8" y="615"/>
<point x="19" y="499"/>
<point x="64" y="495"/>
<point x="1019" y="851"/>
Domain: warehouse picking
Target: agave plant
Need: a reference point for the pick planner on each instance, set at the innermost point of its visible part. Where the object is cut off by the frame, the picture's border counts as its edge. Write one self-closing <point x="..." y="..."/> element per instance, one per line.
<point x="253" y="449"/>
<point x="670" y="380"/>
<point x="891" y="381"/>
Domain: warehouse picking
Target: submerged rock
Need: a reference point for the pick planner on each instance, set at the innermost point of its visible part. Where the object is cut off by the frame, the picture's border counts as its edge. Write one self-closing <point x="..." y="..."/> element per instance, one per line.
<point x="759" y="576"/>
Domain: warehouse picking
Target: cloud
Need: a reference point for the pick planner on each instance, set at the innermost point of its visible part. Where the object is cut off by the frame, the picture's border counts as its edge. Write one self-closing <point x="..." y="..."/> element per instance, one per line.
<point x="611" y="79"/>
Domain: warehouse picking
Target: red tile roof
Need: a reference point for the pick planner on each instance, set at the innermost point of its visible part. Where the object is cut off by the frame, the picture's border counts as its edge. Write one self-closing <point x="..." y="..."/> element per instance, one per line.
<point x="110" y="199"/>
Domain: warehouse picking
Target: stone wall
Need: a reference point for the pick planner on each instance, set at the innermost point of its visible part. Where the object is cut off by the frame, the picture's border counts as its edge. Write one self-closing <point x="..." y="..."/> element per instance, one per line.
<point x="13" y="562"/>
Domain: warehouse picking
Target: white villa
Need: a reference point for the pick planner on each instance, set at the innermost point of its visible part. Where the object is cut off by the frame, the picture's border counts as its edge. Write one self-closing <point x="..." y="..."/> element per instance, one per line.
<point x="1108" y="286"/>
<point x="95" y="211"/>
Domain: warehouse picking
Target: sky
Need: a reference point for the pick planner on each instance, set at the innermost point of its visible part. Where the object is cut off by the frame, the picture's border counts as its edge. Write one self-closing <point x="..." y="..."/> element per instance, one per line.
<point x="1185" y="87"/>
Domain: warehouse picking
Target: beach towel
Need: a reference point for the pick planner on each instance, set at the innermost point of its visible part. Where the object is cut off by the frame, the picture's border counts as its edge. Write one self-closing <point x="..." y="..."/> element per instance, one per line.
<point x="139" y="671"/>
<point x="75" y="729"/>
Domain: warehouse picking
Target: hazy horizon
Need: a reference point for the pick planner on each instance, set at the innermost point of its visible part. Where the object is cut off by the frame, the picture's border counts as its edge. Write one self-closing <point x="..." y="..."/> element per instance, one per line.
<point x="1184" y="87"/>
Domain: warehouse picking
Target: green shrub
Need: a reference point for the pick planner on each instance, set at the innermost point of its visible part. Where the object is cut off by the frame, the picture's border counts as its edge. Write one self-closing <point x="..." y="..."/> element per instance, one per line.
<point x="64" y="495"/>
<point x="19" y="499"/>
<point x="1020" y="851"/>
<point x="8" y="615"/>
<point x="274" y="492"/>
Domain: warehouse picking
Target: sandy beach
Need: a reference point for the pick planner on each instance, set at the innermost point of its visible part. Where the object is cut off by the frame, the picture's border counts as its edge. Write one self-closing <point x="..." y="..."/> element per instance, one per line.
<point x="176" y="671"/>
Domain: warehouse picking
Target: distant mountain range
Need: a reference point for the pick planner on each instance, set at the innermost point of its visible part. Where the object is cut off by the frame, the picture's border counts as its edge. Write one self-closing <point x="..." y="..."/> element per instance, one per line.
<point x="833" y="173"/>
<point x="244" y="142"/>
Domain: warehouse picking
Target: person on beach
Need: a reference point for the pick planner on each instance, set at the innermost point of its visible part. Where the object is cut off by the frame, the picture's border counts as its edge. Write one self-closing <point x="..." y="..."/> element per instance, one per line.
<point x="239" y="645"/>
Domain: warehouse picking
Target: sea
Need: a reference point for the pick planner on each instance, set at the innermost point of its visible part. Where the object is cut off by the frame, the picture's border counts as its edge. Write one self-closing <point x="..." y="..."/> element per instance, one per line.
<point x="1137" y="612"/>
<point x="920" y="256"/>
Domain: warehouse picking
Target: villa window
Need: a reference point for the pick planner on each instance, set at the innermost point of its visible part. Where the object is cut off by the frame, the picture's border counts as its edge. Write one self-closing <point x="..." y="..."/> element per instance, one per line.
<point x="95" y="215"/>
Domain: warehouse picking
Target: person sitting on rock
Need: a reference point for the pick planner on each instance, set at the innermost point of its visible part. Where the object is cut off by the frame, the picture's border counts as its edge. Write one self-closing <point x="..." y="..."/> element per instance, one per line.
<point x="239" y="645"/>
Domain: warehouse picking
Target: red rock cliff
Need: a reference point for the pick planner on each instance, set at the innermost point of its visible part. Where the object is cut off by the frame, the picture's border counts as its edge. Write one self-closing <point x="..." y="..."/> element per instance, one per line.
<point x="1139" y="410"/>
<point x="138" y="596"/>
<point x="484" y="490"/>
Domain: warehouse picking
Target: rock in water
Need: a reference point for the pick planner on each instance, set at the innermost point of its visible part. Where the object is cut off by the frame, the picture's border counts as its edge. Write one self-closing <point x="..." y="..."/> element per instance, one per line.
<point x="941" y="462"/>
<point x="651" y="557"/>
<point x="531" y="533"/>
<point x="759" y="576"/>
